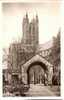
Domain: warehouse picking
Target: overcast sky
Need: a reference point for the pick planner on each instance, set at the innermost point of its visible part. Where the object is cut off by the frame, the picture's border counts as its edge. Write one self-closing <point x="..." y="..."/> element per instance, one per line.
<point x="13" y="13"/>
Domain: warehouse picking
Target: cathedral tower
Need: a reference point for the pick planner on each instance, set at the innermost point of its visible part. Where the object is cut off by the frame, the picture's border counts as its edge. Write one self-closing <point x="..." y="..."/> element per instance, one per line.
<point x="30" y="31"/>
<point x="37" y="30"/>
<point x="25" y="29"/>
<point x="33" y="30"/>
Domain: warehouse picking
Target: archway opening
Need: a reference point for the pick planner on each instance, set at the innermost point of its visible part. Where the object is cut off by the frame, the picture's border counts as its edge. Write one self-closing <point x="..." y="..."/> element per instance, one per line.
<point x="36" y="73"/>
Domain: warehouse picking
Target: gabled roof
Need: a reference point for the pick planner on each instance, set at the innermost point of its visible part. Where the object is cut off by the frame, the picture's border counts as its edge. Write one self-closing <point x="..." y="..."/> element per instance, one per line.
<point x="37" y="58"/>
<point x="45" y="46"/>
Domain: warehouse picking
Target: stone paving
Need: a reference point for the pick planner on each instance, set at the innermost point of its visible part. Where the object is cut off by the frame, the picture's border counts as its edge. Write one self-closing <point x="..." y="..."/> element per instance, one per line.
<point x="39" y="90"/>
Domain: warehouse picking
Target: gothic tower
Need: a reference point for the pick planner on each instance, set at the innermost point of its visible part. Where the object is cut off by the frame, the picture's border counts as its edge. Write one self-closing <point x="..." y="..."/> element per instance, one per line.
<point x="25" y="29"/>
<point x="33" y="30"/>
<point x="37" y="30"/>
<point x="30" y="32"/>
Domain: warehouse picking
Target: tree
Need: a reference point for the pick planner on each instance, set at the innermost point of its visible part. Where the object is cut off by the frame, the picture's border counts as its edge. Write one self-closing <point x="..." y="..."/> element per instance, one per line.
<point x="56" y="58"/>
<point x="56" y="50"/>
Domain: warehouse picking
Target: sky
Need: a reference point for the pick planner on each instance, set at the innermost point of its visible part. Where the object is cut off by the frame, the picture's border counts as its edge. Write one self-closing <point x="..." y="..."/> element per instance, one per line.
<point x="13" y="13"/>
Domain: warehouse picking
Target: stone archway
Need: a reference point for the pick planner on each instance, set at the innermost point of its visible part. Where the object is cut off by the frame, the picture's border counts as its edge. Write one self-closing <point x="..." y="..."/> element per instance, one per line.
<point x="41" y="61"/>
<point x="36" y="73"/>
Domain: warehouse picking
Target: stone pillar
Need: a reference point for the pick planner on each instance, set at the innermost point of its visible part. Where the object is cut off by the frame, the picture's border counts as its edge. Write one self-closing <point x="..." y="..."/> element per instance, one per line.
<point x="20" y="77"/>
<point x="50" y="74"/>
<point x="24" y="76"/>
<point x="9" y="78"/>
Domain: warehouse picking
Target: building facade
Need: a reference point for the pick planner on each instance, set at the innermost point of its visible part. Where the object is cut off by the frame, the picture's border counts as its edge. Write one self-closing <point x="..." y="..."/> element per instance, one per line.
<point x="25" y="58"/>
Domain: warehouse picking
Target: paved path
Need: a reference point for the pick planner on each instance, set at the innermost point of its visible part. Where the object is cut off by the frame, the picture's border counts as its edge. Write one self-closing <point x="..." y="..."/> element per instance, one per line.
<point x="39" y="90"/>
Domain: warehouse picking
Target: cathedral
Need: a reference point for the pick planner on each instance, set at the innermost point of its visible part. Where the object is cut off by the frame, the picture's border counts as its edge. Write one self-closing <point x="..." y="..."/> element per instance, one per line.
<point x="25" y="61"/>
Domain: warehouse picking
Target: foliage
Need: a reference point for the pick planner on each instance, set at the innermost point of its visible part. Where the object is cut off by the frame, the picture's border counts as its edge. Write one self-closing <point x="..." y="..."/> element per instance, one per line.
<point x="56" y="50"/>
<point x="56" y="59"/>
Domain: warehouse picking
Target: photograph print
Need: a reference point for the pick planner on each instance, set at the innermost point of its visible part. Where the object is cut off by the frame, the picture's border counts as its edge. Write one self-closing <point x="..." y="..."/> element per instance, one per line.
<point x="31" y="49"/>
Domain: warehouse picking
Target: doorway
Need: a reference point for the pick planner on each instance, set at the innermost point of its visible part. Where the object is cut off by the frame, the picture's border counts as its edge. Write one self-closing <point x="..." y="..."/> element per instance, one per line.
<point x="36" y="74"/>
